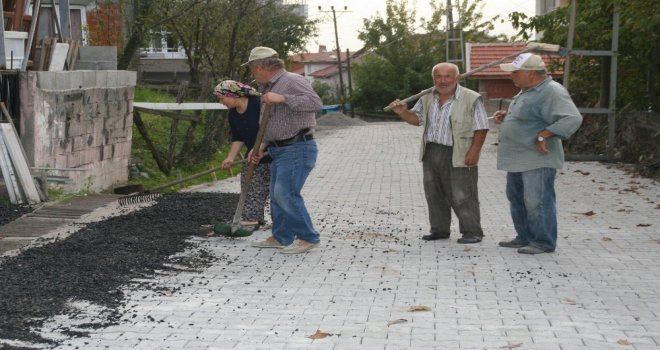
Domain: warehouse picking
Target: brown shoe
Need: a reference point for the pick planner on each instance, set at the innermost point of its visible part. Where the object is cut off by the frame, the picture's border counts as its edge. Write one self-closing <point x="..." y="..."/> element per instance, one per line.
<point x="269" y="242"/>
<point x="299" y="247"/>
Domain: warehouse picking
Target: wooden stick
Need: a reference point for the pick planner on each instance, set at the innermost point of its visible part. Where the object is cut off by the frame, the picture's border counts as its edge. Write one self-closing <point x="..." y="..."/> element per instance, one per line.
<point x="530" y="47"/>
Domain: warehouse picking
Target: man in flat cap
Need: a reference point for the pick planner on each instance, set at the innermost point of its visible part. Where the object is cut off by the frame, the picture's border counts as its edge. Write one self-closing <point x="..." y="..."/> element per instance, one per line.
<point x="289" y="139"/>
<point x="530" y="151"/>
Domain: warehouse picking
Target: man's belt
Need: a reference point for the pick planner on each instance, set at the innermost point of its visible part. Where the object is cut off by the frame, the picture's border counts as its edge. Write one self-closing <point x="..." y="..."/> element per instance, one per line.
<point x="300" y="136"/>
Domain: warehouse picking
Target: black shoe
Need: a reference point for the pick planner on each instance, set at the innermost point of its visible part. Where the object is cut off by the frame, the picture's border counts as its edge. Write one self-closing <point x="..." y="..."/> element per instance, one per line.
<point x="469" y="239"/>
<point x="512" y="244"/>
<point x="435" y="236"/>
<point x="533" y="250"/>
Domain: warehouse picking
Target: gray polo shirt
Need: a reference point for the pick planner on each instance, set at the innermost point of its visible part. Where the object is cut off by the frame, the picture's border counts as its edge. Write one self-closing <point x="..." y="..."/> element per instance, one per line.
<point x="545" y="106"/>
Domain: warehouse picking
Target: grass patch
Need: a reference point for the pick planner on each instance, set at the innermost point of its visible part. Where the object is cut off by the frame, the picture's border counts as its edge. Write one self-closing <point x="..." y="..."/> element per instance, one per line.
<point x="159" y="128"/>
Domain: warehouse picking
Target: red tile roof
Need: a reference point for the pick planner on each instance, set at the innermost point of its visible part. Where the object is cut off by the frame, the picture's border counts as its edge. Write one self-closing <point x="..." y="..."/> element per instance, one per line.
<point x="484" y="53"/>
<point x="298" y="62"/>
<point x="325" y="72"/>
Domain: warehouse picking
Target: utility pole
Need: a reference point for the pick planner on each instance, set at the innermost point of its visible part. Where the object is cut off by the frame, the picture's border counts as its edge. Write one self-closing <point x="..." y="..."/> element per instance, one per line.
<point x="350" y="82"/>
<point x="454" y="40"/>
<point x="341" y="77"/>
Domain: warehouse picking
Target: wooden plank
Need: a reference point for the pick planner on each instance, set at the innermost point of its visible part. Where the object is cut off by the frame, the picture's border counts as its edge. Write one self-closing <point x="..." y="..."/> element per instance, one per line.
<point x="173" y="115"/>
<point x="8" y="175"/>
<point x="31" y="36"/>
<point x="20" y="164"/>
<point x="44" y="53"/>
<point x="5" y="113"/>
<point x="73" y="54"/>
<point x="3" y="57"/>
<point x="58" y="57"/>
<point x="180" y="106"/>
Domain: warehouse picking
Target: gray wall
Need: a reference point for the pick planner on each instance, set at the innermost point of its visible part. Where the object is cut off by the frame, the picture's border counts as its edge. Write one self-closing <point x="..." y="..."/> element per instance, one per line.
<point x="81" y="123"/>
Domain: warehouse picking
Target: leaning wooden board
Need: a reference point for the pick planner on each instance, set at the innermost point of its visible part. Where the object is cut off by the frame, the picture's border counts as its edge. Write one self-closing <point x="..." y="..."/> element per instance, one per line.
<point x="20" y="163"/>
<point x="8" y="174"/>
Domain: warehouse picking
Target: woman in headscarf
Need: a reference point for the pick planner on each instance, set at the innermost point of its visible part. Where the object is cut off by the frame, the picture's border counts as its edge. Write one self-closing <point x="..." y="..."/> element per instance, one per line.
<point x="244" y="103"/>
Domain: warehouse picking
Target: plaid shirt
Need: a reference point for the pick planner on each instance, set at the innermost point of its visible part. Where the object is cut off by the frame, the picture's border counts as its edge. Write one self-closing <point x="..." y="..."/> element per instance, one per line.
<point x="299" y="110"/>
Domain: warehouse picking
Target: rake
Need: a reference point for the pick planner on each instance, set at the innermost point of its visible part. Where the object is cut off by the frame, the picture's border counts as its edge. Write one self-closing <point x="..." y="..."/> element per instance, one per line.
<point x="139" y="195"/>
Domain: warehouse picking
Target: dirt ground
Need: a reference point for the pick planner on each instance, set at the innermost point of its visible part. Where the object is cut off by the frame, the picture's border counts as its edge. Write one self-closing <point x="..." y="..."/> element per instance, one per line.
<point x="101" y="260"/>
<point x="11" y="212"/>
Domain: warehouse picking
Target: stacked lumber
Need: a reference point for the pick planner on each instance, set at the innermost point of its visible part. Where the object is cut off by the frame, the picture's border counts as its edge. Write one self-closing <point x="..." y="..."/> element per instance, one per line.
<point x="19" y="182"/>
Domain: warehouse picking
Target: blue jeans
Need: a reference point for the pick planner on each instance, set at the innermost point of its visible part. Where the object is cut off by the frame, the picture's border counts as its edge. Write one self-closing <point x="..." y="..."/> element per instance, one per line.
<point x="291" y="166"/>
<point x="533" y="207"/>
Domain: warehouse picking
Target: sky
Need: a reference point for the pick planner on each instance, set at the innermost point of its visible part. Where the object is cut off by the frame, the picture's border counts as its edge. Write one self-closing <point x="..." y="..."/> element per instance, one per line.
<point x="350" y="22"/>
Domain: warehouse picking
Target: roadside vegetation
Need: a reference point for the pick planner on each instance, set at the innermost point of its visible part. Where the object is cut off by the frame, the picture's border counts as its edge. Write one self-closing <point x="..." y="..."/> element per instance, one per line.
<point x="145" y="170"/>
<point x="399" y="51"/>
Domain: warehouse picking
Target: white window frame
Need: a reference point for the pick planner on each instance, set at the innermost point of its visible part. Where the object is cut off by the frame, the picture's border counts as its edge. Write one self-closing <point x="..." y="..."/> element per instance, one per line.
<point x="83" y="18"/>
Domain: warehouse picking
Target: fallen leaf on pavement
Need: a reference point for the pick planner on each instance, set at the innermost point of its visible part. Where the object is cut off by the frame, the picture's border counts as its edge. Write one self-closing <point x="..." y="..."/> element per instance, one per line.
<point x="623" y="342"/>
<point x="582" y="172"/>
<point x="319" y="335"/>
<point x="419" y="308"/>
<point x="614" y="228"/>
<point x="511" y="346"/>
<point x="606" y="239"/>
<point x="401" y="320"/>
<point x="467" y="249"/>
<point x="571" y="301"/>
<point x="643" y="225"/>
<point x="589" y="213"/>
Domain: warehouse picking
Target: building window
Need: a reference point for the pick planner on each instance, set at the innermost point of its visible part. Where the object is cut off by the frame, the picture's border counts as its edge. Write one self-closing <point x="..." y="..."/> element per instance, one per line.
<point x="48" y="28"/>
<point x="162" y="44"/>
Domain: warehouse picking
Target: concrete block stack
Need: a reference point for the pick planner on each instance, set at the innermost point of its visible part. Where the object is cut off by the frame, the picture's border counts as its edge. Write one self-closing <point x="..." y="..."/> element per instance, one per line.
<point x="79" y="125"/>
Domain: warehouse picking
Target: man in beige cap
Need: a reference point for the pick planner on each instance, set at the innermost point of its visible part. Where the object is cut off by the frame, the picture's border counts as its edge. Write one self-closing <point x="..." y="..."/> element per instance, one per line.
<point x="530" y="151"/>
<point x="289" y="139"/>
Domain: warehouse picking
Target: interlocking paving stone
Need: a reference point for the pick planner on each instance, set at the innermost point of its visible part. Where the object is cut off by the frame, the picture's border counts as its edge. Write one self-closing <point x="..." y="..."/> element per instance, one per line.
<point x="599" y="290"/>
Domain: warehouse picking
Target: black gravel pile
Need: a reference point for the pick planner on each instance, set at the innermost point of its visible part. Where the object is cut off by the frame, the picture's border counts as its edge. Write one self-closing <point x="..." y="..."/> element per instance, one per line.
<point x="11" y="212"/>
<point x="100" y="260"/>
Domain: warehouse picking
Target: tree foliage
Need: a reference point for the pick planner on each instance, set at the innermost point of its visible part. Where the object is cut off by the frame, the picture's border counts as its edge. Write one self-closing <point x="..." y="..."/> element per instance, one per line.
<point x="217" y="36"/>
<point x="638" y="54"/>
<point x="401" y="52"/>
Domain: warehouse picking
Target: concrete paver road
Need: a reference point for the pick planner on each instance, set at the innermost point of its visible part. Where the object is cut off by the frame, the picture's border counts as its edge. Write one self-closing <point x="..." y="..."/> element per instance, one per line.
<point x="599" y="290"/>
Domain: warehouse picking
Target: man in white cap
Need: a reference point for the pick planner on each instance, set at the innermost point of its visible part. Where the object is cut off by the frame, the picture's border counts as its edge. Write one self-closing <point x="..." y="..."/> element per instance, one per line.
<point x="289" y="138"/>
<point x="530" y="151"/>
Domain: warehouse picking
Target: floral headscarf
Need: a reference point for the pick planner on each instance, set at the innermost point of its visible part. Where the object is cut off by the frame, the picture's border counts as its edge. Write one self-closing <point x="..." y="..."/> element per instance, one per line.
<point x="235" y="89"/>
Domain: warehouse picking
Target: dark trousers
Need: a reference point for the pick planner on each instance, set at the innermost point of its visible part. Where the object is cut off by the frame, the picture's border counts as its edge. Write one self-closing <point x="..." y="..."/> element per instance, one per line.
<point x="447" y="188"/>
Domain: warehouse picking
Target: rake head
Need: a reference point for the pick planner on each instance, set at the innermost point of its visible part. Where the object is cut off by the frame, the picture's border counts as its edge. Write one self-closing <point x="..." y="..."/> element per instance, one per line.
<point x="138" y="198"/>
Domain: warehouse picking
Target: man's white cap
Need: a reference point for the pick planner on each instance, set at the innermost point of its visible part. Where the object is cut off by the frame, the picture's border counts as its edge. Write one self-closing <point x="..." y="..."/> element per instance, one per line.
<point x="259" y="53"/>
<point x="525" y="61"/>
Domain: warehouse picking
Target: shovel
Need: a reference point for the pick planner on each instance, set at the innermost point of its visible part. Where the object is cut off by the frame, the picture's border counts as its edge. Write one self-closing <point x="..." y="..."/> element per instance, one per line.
<point x="234" y="228"/>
